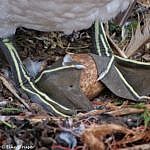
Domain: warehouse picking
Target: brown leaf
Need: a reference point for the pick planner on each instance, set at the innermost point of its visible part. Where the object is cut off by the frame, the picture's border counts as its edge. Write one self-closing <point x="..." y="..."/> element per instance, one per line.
<point x="93" y="136"/>
<point x="139" y="38"/>
<point x="145" y="3"/>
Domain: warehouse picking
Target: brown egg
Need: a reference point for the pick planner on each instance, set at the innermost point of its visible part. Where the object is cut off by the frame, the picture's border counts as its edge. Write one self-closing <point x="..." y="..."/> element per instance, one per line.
<point x="88" y="80"/>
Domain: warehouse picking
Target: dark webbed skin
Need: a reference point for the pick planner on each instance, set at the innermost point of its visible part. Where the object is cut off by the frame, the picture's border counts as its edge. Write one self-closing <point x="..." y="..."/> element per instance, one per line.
<point x="28" y="86"/>
<point x="64" y="87"/>
<point x="125" y="78"/>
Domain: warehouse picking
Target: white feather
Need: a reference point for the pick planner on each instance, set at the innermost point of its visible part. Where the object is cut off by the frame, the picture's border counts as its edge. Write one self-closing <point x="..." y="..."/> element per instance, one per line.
<point x="58" y="15"/>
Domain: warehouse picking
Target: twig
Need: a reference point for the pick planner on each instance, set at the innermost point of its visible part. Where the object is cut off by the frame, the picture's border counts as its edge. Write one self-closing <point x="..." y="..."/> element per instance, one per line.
<point x="127" y="111"/>
<point x="138" y="147"/>
<point x="90" y="113"/>
<point x="120" y="52"/>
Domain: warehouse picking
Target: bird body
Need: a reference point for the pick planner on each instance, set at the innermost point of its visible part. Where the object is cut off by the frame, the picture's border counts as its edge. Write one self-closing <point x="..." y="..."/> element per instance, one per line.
<point x="56" y="15"/>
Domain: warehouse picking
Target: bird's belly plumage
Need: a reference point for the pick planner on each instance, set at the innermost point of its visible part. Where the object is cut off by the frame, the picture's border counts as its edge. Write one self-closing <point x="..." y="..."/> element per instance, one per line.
<point x="56" y="15"/>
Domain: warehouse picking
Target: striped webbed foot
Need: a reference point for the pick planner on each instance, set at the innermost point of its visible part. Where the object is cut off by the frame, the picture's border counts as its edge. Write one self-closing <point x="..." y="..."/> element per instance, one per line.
<point x="56" y="89"/>
<point x="124" y="77"/>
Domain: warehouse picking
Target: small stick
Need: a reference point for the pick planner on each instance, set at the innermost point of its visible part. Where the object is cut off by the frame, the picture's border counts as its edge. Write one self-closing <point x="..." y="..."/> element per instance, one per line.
<point x="138" y="147"/>
<point x="121" y="53"/>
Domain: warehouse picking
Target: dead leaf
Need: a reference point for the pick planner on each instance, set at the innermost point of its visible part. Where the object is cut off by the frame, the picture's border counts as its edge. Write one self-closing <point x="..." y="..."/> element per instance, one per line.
<point x="145" y="3"/>
<point x="93" y="136"/>
<point x="139" y="38"/>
